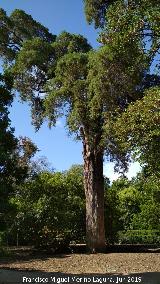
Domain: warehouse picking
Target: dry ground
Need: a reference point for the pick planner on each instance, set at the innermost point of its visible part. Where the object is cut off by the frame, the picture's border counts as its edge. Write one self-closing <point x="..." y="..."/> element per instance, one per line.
<point x="123" y="262"/>
<point x="118" y="265"/>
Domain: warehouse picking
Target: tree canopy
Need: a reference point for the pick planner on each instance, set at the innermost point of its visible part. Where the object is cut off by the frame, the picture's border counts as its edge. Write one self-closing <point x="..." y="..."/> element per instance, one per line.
<point x="138" y="130"/>
<point x="8" y="144"/>
<point x="96" y="11"/>
<point x="15" y="154"/>
<point x="62" y="75"/>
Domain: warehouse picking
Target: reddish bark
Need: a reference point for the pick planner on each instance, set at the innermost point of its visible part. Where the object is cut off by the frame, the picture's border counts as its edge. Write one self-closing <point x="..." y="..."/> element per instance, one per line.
<point x="94" y="191"/>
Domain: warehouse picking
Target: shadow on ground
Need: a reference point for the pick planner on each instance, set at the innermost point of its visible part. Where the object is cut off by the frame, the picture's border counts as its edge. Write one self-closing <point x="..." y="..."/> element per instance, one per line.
<point x="133" y="248"/>
<point x="12" y="276"/>
<point x="29" y="254"/>
<point x="120" y="248"/>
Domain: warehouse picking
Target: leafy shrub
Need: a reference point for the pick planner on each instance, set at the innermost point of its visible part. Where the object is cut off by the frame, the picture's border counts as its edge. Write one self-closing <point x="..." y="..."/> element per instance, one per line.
<point x="3" y="240"/>
<point x="3" y="250"/>
<point x="139" y="237"/>
<point x="51" y="210"/>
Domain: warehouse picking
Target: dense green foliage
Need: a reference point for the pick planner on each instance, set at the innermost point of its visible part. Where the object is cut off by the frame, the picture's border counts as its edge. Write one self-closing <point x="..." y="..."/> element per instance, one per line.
<point x="139" y="237"/>
<point x="96" y="11"/>
<point x="61" y="75"/>
<point x="17" y="28"/>
<point x="8" y="144"/>
<point x="138" y="130"/>
<point x="134" y="205"/>
<point x="130" y="31"/>
<point x="50" y="210"/>
<point x="15" y="154"/>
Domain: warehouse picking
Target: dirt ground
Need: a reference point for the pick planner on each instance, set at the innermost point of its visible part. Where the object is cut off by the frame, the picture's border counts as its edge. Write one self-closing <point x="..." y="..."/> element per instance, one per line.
<point x="118" y="265"/>
<point x="124" y="261"/>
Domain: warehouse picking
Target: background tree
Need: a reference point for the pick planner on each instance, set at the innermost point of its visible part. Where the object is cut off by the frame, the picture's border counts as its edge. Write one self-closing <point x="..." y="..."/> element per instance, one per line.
<point x="148" y="217"/>
<point x="50" y="210"/>
<point x="138" y="131"/>
<point x="14" y="154"/>
<point x="133" y="210"/>
<point x="8" y="144"/>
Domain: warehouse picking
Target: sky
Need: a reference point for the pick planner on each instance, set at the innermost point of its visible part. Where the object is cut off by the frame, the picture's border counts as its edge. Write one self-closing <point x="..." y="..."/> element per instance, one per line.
<point x="61" y="150"/>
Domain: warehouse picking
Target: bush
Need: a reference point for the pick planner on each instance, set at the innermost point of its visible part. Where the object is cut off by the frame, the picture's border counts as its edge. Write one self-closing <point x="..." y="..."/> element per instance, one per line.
<point x="4" y="252"/>
<point x="3" y="238"/>
<point x="50" y="210"/>
<point x="139" y="237"/>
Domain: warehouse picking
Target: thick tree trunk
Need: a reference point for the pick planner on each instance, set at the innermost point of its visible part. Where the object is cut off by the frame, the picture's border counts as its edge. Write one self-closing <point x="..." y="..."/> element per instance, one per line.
<point x="94" y="191"/>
